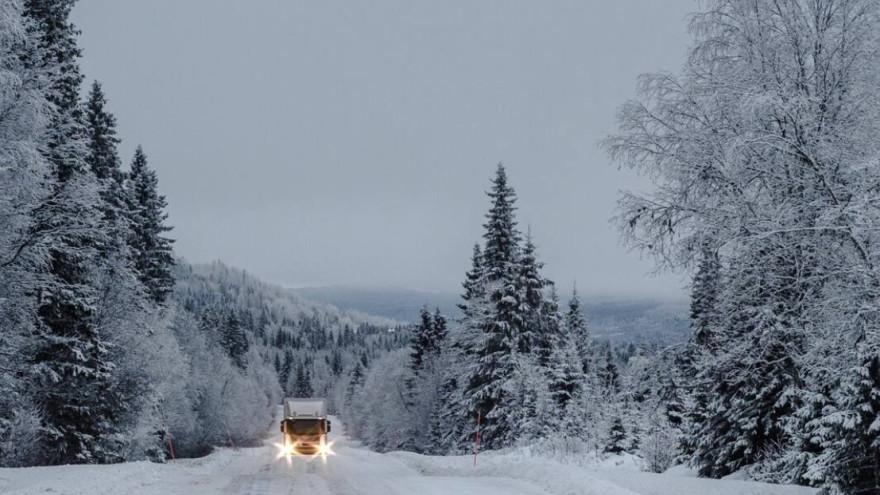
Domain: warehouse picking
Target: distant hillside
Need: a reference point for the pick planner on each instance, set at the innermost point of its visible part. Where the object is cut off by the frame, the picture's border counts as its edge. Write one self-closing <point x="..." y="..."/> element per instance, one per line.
<point x="224" y="282"/>
<point x="639" y="320"/>
<point x="644" y="319"/>
<point x="397" y="304"/>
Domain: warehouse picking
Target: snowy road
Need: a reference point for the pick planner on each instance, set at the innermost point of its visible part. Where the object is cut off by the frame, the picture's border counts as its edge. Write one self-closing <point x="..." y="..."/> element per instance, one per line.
<point x="358" y="471"/>
<point x="353" y="471"/>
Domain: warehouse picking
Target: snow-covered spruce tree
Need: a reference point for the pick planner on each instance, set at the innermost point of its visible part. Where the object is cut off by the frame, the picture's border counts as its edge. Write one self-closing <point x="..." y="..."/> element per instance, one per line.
<point x="124" y="311"/>
<point x="754" y="145"/>
<point x="608" y="374"/>
<point x="439" y="332"/>
<point x="701" y="347"/>
<point x="152" y="251"/>
<point x="847" y="432"/>
<point x="532" y="411"/>
<point x="23" y="259"/>
<point x="754" y="376"/>
<point x="572" y="379"/>
<point x="303" y="385"/>
<point x="576" y="327"/>
<point x="69" y="361"/>
<point x="566" y="372"/>
<point x="356" y="380"/>
<point x="552" y="324"/>
<point x="533" y="335"/>
<point x="704" y="296"/>
<point x="453" y="421"/>
<point x="287" y="368"/>
<point x="495" y="321"/>
<point x="474" y="283"/>
<point x="422" y="340"/>
<point x="103" y="157"/>
<point x="234" y="340"/>
<point x="656" y="401"/>
<point x="617" y="438"/>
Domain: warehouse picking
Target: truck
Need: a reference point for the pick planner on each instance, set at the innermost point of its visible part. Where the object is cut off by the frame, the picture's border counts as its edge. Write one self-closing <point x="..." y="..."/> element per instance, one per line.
<point x="305" y="426"/>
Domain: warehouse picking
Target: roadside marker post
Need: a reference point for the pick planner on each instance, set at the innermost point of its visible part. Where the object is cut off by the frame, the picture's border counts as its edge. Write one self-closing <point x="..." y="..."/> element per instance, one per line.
<point x="477" y="438"/>
<point x="168" y="435"/>
<point x="229" y="437"/>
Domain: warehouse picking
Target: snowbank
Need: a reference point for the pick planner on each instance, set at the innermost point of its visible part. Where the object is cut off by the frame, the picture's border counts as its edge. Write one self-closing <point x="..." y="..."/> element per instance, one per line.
<point x="129" y="478"/>
<point x="619" y="475"/>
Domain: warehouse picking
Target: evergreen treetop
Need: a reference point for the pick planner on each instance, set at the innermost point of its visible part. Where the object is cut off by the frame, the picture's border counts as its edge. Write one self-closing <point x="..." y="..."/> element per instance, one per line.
<point x="153" y="252"/>
<point x="501" y="252"/>
<point x="103" y="157"/>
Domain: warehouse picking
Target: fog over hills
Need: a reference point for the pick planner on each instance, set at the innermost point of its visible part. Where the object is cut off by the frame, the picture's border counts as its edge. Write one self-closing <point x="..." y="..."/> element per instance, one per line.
<point x="390" y="302"/>
<point x="613" y="318"/>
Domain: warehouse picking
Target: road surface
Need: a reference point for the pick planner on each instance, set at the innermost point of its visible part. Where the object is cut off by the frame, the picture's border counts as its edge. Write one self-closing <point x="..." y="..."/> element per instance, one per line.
<point x="358" y="471"/>
<point x="352" y="471"/>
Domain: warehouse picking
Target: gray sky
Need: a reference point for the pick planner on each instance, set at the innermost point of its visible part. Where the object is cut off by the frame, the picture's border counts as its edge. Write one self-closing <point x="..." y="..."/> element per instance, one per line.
<point x="328" y="142"/>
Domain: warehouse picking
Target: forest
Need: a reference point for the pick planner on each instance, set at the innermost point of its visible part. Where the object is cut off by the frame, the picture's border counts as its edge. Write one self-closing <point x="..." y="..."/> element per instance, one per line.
<point x="111" y="348"/>
<point x="762" y="151"/>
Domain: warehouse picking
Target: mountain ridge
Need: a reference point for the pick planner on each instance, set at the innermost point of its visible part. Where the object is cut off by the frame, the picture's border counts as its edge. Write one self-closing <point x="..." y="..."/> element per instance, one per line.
<point x="616" y="318"/>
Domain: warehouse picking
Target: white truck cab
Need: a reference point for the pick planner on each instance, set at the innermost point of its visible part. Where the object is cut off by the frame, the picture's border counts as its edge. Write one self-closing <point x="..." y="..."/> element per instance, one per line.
<point x="305" y="425"/>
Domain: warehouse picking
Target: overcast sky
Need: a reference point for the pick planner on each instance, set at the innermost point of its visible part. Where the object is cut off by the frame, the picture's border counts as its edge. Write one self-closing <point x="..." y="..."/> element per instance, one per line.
<point x="327" y="142"/>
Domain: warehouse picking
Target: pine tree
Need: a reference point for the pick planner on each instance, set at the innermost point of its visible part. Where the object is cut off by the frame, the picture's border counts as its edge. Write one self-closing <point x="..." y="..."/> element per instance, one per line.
<point x="849" y="433"/>
<point x="303" y="385"/>
<point x="534" y="334"/>
<point x="234" y="340"/>
<point x="566" y="372"/>
<point x="496" y="320"/>
<point x="356" y="380"/>
<point x="57" y="38"/>
<point x="500" y="260"/>
<point x="23" y="189"/>
<point x="103" y="160"/>
<point x="123" y="298"/>
<point x="474" y="285"/>
<point x="704" y="324"/>
<point x="308" y="390"/>
<point x="576" y="326"/>
<point x="609" y="375"/>
<point x="530" y="409"/>
<point x="69" y="361"/>
<point x="336" y="362"/>
<point x="286" y="368"/>
<point x="617" y="438"/>
<point x="103" y="157"/>
<point x="422" y="340"/>
<point x="439" y="332"/>
<point x="552" y="324"/>
<point x="704" y="297"/>
<point x="754" y="373"/>
<point x="152" y="251"/>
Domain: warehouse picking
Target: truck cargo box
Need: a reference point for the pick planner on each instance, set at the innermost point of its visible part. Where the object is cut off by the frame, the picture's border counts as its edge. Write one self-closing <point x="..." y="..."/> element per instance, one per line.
<point x="312" y="408"/>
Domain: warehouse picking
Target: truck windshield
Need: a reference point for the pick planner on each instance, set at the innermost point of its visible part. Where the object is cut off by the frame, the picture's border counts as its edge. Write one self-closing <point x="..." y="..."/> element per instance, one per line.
<point x="304" y="426"/>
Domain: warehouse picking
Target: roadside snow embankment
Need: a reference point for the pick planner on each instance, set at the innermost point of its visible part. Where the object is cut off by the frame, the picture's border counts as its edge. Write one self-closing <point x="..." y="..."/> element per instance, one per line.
<point x="614" y="476"/>
<point x="129" y="477"/>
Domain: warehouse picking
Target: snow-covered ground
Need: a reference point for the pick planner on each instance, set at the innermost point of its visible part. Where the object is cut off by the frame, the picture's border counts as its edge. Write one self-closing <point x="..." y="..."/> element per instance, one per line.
<point x="355" y="470"/>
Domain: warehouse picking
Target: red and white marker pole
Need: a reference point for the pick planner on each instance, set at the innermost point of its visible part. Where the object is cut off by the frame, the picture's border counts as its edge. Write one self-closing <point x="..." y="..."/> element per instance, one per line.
<point x="477" y="437"/>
